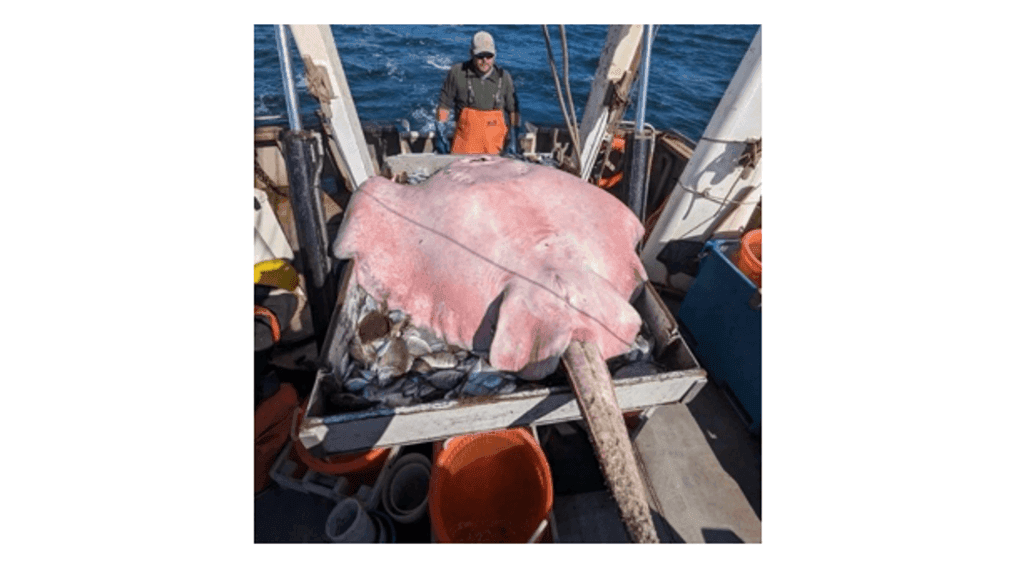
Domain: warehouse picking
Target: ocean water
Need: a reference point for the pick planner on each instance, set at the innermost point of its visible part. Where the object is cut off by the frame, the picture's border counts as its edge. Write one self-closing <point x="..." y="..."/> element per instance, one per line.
<point x="395" y="72"/>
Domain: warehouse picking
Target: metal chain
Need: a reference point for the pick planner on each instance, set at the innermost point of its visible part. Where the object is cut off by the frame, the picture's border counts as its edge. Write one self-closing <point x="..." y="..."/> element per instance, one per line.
<point x="263" y="178"/>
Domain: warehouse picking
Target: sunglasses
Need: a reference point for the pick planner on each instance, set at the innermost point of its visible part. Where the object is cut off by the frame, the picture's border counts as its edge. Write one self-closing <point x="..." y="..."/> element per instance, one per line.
<point x="484" y="55"/>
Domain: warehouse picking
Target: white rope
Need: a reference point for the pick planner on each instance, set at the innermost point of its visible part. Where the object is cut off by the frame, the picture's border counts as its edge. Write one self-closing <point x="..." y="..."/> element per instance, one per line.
<point x="723" y="201"/>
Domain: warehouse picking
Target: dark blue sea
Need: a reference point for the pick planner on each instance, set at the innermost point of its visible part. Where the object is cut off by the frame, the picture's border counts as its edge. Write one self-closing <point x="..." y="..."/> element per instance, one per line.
<point x="395" y="72"/>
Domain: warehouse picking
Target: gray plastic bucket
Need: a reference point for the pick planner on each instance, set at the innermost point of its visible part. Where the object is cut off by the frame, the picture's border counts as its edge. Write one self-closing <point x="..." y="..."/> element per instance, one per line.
<point x="348" y="522"/>
<point x="404" y="495"/>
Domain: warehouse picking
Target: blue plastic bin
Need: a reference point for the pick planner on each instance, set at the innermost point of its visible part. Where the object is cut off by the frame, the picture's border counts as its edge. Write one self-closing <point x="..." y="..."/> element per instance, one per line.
<point x="722" y="314"/>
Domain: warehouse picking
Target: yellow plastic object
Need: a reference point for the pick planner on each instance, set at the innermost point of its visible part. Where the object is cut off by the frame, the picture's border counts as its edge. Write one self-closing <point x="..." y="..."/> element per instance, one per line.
<point x="277" y="273"/>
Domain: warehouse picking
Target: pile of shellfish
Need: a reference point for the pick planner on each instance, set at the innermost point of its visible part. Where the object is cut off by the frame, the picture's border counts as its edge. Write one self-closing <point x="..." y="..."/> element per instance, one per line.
<point x="392" y="362"/>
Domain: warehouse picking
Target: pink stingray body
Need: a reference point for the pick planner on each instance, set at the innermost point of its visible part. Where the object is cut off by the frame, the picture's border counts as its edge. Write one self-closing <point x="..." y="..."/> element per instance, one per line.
<point x="556" y="253"/>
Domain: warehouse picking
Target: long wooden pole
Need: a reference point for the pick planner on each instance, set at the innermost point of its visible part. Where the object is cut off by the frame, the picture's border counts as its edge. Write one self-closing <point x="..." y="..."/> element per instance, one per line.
<point x="593" y="388"/>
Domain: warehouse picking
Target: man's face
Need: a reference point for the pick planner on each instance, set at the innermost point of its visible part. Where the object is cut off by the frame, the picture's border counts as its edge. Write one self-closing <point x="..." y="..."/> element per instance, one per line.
<point x="483" y="61"/>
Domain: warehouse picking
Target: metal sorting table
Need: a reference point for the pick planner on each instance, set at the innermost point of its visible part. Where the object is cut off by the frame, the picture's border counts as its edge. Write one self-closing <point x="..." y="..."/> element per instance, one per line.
<point x="381" y="427"/>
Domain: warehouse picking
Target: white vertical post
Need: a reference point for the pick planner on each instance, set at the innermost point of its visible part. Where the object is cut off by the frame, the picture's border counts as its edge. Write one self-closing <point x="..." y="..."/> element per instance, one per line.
<point x="322" y="64"/>
<point x="619" y="56"/>
<point x="711" y="188"/>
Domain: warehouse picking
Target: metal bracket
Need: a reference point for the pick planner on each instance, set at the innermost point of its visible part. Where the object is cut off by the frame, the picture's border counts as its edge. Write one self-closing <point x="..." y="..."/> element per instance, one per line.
<point x="750" y="158"/>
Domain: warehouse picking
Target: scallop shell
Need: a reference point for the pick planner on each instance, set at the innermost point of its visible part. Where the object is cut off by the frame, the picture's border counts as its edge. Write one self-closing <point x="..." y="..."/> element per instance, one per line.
<point x="441" y="360"/>
<point x="426" y="390"/>
<point x="445" y="379"/>
<point x="363" y="353"/>
<point x="397" y="316"/>
<point x="355" y="384"/>
<point x="641" y="349"/>
<point x="420" y="366"/>
<point x="395" y="401"/>
<point x="369" y="304"/>
<point x="483" y="384"/>
<point x="395" y="356"/>
<point x="415" y="344"/>
<point x="436" y="345"/>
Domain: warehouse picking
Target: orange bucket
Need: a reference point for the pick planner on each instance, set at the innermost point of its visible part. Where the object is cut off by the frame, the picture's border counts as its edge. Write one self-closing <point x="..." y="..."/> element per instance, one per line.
<point x="749" y="256"/>
<point x="358" y="467"/>
<point x="493" y="487"/>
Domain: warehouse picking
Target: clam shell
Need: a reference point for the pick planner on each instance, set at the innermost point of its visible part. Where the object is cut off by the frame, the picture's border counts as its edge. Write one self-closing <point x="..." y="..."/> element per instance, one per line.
<point x="396" y="400"/>
<point x="415" y="344"/>
<point x="369" y="304"/>
<point x="355" y="384"/>
<point x="385" y="376"/>
<point x="467" y="365"/>
<point x="420" y="366"/>
<point x="363" y="353"/>
<point x="395" y="356"/>
<point x="507" y="387"/>
<point x="436" y="345"/>
<point x="483" y="384"/>
<point x="479" y="365"/>
<point x="399" y="322"/>
<point x="426" y="391"/>
<point x="372" y="392"/>
<point x="410" y="388"/>
<point x="397" y="316"/>
<point x="441" y="360"/>
<point x="445" y="379"/>
<point x="641" y="349"/>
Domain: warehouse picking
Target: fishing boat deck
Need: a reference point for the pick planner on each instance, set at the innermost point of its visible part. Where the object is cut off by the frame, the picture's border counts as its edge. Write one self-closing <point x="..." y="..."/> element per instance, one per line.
<point x="701" y="465"/>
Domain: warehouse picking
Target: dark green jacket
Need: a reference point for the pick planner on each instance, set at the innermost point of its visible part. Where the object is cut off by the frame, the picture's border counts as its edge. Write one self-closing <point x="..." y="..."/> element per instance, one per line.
<point x="463" y="87"/>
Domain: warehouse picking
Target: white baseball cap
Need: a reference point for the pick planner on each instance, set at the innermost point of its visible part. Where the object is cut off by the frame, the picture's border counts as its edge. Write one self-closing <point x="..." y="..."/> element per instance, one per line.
<point x="483" y="42"/>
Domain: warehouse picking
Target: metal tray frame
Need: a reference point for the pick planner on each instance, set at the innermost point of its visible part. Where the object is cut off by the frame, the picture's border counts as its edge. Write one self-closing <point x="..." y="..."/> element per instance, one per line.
<point x="382" y="428"/>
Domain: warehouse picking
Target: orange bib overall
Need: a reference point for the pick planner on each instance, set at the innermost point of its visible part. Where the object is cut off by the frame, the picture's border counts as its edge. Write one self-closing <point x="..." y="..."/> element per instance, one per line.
<point x="479" y="132"/>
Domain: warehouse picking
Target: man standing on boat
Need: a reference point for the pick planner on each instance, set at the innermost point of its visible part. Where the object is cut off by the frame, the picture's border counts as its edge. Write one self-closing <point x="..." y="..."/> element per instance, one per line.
<point x="481" y="93"/>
